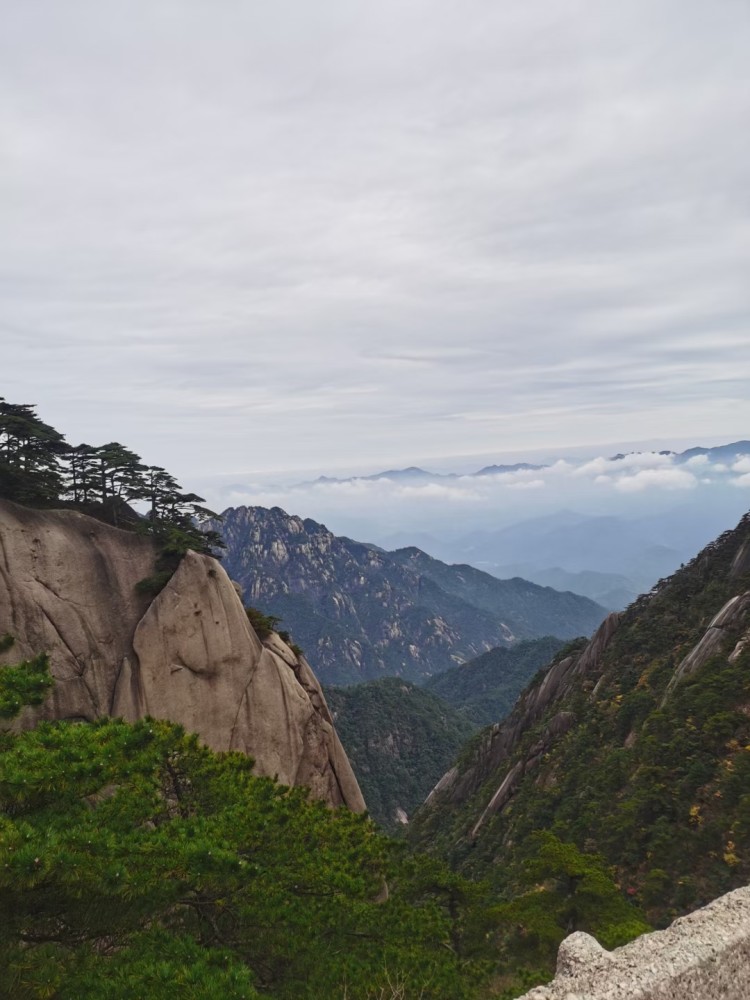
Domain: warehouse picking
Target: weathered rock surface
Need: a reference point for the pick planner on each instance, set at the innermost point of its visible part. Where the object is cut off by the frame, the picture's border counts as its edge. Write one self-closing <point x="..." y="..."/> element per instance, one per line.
<point x="703" y="956"/>
<point x="67" y="586"/>
<point x="724" y="622"/>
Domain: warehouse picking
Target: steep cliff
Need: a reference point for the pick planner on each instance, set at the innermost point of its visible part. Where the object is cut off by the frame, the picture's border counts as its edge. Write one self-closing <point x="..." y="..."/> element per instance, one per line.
<point x="634" y="746"/>
<point x="67" y="587"/>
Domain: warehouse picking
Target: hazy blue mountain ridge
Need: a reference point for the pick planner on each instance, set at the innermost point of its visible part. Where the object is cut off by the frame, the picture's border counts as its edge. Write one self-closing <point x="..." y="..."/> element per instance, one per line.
<point x="361" y="613"/>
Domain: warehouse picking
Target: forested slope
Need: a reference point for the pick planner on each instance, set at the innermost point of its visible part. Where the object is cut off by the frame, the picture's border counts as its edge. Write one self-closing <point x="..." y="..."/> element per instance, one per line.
<point x="399" y="740"/>
<point x="633" y="748"/>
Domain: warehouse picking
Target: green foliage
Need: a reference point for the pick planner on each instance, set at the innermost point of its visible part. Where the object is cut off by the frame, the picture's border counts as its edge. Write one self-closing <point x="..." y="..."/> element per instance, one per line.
<point x="154" y="584"/>
<point x="486" y="687"/>
<point x="263" y="624"/>
<point x="24" y="684"/>
<point x="29" y="456"/>
<point x="400" y="740"/>
<point x="641" y="800"/>
<point x="134" y="862"/>
<point x="580" y="891"/>
<point x="560" y="889"/>
<point x="38" y="468"/>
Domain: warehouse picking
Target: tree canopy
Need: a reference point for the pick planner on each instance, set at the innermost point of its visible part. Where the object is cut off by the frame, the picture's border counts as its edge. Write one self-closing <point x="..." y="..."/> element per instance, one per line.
<point x="136" y="863"/>
<point x="38" y="468"/>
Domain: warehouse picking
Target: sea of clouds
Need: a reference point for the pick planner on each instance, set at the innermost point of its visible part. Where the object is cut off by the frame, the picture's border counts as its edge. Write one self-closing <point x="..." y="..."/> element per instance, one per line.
<point x="382" y="507"/>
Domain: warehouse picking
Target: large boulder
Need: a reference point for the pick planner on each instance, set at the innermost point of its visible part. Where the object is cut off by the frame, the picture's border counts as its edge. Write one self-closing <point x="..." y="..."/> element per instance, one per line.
<point x="67" y="587"/>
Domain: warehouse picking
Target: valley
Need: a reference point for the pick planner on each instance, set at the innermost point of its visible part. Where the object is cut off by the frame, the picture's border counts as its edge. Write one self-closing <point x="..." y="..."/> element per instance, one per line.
<point x="374" y="500"/>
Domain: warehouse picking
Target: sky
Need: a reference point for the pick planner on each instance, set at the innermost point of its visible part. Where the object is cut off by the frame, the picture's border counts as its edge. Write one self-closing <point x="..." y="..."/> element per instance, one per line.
<point x="242" y="237"/>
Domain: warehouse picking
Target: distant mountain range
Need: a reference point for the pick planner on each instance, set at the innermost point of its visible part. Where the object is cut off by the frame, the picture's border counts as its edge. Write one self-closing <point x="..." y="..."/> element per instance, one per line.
<point x="414" y="474"/>
<point x="361" y="613"/>
<point x="609" y="559"/>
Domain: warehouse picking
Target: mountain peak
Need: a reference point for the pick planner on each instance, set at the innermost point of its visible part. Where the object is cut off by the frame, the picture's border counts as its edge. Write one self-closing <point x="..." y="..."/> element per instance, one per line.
<point x="362" y="612"/>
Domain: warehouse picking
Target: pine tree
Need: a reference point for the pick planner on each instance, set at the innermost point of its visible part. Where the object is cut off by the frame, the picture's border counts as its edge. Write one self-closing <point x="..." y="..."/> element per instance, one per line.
<point x="134" y="862"/>
<point x="29" y="455"/>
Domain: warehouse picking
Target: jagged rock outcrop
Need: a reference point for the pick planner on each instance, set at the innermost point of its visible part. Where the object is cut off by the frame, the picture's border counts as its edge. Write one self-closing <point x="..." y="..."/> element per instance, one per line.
<point x="723" y="624"/>
<point x="703" y="956"/>
<point x="67" y="586"/>
<point x="364" y="613"/>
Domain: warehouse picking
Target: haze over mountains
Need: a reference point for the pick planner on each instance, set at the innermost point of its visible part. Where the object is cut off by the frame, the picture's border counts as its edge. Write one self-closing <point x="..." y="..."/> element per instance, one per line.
<point x="364" y="613"/>
<point x="622" y="765"/>
<point x="607" y="527"/>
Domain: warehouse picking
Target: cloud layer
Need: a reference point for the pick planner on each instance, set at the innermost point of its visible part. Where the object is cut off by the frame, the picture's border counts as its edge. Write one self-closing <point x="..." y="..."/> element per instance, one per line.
<point x="636" y="485"/>
<point x="283" y="235"/>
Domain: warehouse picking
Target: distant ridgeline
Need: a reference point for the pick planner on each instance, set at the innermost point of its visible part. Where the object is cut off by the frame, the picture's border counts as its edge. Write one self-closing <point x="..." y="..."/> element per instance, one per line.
<point x="362" y="613"/>
<point x="38" y="468"/>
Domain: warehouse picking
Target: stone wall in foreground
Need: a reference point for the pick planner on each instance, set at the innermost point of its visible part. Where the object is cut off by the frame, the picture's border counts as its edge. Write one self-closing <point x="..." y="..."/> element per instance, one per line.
<point x="703" y="956"/>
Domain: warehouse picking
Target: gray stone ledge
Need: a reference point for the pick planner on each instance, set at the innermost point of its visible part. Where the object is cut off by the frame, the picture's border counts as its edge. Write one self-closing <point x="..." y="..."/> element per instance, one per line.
<point x="703" y="956"/>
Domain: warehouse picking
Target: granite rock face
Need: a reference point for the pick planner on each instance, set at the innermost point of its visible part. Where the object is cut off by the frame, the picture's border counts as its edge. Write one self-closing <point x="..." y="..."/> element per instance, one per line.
<point x="67" y="587"/>
<point x="703" y="956"/>
<point x="733" y="612"/>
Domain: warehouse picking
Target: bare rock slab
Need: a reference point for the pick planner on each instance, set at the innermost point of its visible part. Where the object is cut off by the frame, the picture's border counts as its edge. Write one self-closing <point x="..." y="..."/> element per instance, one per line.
<point x="703" y="956"/>
<point x="190" y="655"/>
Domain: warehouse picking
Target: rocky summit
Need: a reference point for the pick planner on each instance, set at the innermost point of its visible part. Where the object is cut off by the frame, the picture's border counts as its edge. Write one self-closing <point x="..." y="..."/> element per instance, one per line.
<point x="363" y="613"/>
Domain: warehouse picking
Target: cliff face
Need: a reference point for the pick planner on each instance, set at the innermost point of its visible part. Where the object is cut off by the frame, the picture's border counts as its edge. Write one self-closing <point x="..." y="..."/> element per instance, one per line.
<point x="500" y="742"/>
<point x="629" y="745"/>
<point x="67" y="587"/>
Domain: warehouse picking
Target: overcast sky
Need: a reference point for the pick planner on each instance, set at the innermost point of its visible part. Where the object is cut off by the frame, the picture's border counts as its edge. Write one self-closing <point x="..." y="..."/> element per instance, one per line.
<point x="244" y="236"/>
